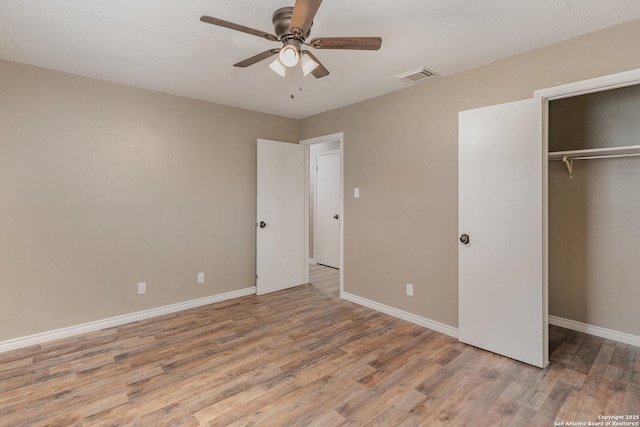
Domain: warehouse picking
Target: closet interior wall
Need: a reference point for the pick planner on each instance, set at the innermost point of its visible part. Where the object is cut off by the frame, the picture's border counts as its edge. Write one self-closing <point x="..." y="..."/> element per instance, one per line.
<point x="594" y="217"/>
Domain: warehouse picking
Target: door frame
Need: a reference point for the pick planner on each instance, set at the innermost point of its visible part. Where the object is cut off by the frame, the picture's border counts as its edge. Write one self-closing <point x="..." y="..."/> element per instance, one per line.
<point x="583" y="87"/>
<point x="339" y="137"/>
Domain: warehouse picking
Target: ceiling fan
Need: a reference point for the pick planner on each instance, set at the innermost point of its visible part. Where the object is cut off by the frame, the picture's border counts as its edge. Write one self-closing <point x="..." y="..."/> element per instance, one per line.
<point x="293" y="26"/>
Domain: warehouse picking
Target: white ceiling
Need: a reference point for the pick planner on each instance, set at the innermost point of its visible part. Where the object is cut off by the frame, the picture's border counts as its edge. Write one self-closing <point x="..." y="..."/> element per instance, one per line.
<point x="162" y="45"/>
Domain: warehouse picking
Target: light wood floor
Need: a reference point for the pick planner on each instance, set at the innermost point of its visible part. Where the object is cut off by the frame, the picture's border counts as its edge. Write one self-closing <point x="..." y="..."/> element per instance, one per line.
<point x="305" y="357"/>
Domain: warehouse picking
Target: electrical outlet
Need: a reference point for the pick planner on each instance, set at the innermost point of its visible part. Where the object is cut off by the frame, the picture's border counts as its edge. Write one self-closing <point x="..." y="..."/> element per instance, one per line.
<point x="142" y="288"/>
<point x="356" y="192"/>
<point x="200" y="277"/>
<point x="409" y="289"/>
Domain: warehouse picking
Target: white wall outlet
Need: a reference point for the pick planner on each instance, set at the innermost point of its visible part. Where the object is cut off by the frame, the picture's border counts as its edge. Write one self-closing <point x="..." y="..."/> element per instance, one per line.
<point x="409" y="289"/>
<point x="142" y="288"/>
<point x="200" y="277"/>
<point x="356" y="192"/>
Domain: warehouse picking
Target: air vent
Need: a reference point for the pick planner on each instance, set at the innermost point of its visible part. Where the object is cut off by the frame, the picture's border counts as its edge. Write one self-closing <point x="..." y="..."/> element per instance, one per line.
<point x="416" y="76"/>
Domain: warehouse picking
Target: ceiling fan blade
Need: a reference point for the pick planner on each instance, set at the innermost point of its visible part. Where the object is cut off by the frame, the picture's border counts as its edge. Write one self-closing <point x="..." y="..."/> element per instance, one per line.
<point x="356" y="43"/>
<point x="237" y="27"/>
<point x="257" y="58"/>
<point x="319" y="71"/>
<point x="302" y="16"/>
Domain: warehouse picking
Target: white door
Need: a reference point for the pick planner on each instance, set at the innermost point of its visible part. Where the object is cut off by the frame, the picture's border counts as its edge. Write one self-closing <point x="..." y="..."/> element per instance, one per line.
<point x="327" y="219"/>
<point x="280" y="216"/>
<point x="502" y="298"/>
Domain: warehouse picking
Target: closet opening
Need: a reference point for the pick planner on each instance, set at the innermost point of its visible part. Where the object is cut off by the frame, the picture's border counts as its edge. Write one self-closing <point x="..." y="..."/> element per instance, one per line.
<point x="593" y="221"/>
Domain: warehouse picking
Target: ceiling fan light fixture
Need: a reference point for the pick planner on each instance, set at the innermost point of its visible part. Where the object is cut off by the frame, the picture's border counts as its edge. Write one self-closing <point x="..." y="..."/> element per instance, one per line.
<point x="292" y="24"/>
<point x="289" y="55"/>
<point x="278" y="67"/>
<point x="307" y="64"/>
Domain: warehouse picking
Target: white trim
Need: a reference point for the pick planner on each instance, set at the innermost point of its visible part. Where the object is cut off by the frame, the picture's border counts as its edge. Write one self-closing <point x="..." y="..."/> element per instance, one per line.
<point x="111" y="322"/>
<point x="598" y="84"/>
<point x="401" y="314"/>
<point x="307" y="195"/>
<point x="325" y="138"/>
<point x="311" y="261"/>
<point x="609" y="334"/>
<point x="318" y="140"/>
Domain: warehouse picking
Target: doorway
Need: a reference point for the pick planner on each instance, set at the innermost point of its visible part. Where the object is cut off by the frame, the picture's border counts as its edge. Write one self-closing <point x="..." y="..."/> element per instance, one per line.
<point x="322" y="147"/>
<point x="590" y="277"/>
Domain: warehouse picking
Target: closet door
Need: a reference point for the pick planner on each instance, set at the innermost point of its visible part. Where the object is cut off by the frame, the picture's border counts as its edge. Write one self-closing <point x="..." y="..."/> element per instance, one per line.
<point x="502" y="300"/>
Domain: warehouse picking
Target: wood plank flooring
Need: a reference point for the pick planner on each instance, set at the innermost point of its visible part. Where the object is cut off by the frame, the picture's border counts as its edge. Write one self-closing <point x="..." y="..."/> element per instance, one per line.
<point x="305" y="357"/>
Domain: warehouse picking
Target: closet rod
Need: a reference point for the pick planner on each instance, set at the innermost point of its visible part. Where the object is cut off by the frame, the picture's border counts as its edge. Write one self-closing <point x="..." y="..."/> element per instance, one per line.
<point x="568" y="160"/>
<point x="601" y="156"/>
<point x="593" y="153"/>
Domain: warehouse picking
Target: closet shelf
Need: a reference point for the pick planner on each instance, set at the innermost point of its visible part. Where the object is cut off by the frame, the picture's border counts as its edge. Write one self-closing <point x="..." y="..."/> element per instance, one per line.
<point x="593" y="153"/>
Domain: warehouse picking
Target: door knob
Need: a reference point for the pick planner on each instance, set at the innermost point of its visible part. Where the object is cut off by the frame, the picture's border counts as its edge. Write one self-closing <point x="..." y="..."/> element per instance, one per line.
<point x="335" y="216"/>
<point x="464" y="239"/>
<point x="262" y="224"/>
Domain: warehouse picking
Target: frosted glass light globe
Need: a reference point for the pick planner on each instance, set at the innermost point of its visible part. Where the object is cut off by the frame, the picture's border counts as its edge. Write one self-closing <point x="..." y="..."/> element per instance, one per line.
<point x="289" y="56"/>
<point x="307" y="64"/>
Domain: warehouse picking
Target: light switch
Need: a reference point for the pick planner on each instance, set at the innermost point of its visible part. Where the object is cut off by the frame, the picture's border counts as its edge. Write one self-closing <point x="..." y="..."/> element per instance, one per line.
<point x="356" y="192"/>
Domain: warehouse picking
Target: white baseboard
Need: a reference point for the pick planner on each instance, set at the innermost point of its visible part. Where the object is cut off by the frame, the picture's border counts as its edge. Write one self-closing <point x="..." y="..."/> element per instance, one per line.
<point x="595" y="330"/>
<point x="43" y="337"/>
<point x="311" y="261"/>
<point x="401" y="314"/>
<point x="56" y="334"/>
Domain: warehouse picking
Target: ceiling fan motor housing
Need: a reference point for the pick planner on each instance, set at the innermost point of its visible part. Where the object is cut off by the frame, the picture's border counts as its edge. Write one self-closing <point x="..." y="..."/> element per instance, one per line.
<point x="281" y="21"/>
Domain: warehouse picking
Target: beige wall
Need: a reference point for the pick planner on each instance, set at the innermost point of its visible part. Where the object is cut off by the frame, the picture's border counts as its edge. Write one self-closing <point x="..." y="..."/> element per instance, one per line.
<point x="103" y="186"/>
<point x="593" y="217"/>
<point x="401" y="151"/>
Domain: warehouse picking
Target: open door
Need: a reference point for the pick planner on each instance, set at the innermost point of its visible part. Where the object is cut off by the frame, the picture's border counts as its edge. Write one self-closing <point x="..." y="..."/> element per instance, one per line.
<point x="502" y="295"/>
<point x="280" y="216"/>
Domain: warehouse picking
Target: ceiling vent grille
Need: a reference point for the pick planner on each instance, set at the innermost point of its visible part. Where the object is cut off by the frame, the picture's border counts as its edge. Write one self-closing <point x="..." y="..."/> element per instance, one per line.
<point x="416" y="76"/>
